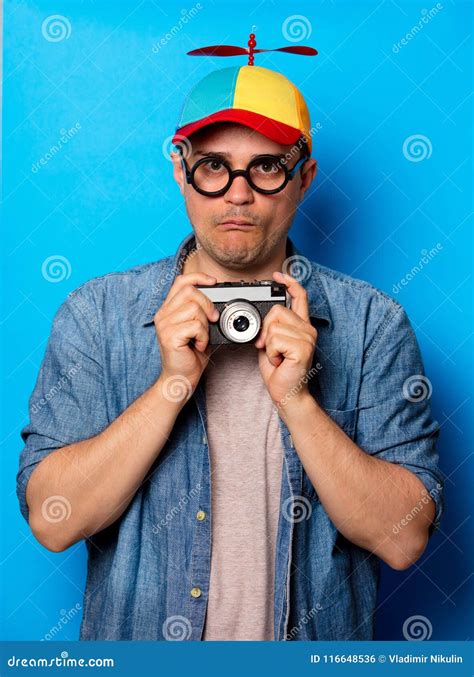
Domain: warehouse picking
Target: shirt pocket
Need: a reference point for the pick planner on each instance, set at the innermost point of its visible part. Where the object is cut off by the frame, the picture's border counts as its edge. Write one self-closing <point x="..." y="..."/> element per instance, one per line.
<point x="346" y="419"/>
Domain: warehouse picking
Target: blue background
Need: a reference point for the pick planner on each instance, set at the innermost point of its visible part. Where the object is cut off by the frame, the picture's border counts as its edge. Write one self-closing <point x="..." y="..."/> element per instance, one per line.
<point x="106" y="201"/>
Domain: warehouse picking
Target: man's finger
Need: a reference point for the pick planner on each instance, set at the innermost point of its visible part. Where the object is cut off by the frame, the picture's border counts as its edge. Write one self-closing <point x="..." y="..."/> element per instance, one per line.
<point x="299" y="299"/>
<point x="192" y="279"/>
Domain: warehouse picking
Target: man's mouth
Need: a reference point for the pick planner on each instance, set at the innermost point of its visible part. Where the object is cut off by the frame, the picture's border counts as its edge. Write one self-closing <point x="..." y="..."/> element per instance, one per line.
<point x="236" y="224"/>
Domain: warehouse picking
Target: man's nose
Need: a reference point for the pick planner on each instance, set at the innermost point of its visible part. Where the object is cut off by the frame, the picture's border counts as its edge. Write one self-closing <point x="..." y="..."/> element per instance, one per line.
<point x="240" y="192"/>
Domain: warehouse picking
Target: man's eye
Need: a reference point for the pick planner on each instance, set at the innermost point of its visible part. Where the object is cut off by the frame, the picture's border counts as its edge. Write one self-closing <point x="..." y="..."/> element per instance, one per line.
<point x="213" y="165"/>
<point x="268" y="167"/>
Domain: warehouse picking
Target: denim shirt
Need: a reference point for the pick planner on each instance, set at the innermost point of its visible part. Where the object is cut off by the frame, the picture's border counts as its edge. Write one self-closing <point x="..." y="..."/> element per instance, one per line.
<point x="151" y="568"/>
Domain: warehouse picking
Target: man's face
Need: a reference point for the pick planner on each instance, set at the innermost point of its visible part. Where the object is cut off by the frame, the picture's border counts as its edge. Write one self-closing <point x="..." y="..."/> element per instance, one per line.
<point x="270" y="216"/>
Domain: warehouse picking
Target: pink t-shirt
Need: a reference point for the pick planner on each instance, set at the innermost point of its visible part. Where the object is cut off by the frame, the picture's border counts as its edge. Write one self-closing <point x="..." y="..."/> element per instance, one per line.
<point x="246" y="465"/>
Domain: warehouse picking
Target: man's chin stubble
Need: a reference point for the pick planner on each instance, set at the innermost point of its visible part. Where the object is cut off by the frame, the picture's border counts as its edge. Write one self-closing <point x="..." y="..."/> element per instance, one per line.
<point x="236" y="258"/>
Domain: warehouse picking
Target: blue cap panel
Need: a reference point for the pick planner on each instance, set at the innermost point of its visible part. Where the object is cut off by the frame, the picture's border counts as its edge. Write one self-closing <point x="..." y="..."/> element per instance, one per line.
<point x="213" y="93"/>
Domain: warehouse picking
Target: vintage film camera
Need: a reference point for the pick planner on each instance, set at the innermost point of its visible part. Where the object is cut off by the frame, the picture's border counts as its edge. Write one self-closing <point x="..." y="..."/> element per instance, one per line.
<point x="242" y="307"/>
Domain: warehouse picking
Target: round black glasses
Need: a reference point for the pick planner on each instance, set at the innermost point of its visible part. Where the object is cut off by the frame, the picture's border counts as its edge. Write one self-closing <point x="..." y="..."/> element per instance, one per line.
<point x="212" y="176"/>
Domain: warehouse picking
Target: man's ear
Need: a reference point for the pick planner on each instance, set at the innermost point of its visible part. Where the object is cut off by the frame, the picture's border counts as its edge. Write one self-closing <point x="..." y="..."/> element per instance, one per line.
<point x="178" y="171"/>
<point x="308" y="173"/>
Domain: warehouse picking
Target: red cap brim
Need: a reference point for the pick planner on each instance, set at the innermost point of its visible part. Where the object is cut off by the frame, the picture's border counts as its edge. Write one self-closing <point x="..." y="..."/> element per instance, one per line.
<point x="276" y="131"/>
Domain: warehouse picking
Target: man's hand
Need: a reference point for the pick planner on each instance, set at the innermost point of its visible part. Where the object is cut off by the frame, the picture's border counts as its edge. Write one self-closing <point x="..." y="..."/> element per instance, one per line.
<point x="183" y="317"/>
<point x="98" y="477"/>
<point x="286" y="346"/>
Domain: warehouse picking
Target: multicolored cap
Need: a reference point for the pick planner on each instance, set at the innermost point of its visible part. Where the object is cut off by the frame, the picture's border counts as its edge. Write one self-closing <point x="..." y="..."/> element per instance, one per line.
<point x="256" y="97"/>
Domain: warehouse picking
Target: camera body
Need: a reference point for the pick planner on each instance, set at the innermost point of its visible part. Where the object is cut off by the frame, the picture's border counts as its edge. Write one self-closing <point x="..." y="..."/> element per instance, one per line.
<point x="242" y="307"/>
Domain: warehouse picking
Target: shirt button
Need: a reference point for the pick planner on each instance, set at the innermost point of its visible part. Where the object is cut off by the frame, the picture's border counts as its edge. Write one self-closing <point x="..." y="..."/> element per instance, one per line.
<point x="204" y="439"/>
<point x="196" y="592"/>
<point x="200" y="515"/>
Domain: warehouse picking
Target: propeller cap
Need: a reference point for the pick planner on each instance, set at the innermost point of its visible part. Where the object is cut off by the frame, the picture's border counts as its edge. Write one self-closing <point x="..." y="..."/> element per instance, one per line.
<point x="256" y="97"/>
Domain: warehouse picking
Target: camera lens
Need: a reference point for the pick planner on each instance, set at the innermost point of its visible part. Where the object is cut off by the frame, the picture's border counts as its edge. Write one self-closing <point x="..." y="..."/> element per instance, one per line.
<point x="241" y="323"/>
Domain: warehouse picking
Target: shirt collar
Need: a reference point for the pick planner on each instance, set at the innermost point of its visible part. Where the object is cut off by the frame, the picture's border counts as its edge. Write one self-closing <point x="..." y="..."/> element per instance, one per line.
<point x="172" y="266"/>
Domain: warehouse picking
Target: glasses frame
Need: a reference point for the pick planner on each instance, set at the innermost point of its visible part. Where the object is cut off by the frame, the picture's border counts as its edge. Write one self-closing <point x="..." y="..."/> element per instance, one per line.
<point x="233" y="173"/>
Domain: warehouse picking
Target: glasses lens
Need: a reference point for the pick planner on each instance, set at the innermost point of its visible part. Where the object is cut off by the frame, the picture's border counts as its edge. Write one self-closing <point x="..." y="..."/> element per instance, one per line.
<point x="211" y="175"/>
<point x="268" y="174"/>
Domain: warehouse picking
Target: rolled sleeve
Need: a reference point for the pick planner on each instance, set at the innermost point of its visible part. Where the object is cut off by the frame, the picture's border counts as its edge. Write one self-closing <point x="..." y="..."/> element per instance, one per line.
<point x="68" y="403"/>
<point x="394" y="420"/>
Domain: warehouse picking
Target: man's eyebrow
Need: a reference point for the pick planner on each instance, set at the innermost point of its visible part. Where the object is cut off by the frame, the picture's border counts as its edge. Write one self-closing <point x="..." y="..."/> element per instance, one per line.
<point x="226" y="156"/>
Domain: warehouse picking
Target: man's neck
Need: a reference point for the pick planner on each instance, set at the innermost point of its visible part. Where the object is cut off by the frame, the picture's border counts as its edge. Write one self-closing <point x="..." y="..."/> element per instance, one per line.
<point x="198" y="261"/>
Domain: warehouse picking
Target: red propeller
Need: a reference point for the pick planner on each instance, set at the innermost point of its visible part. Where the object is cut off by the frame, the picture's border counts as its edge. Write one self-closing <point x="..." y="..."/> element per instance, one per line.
<point x="232" y="50"/>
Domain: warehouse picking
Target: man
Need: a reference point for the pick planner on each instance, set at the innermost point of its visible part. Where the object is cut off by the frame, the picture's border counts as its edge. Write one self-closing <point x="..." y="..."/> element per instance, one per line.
<point x="246" y="491"/>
